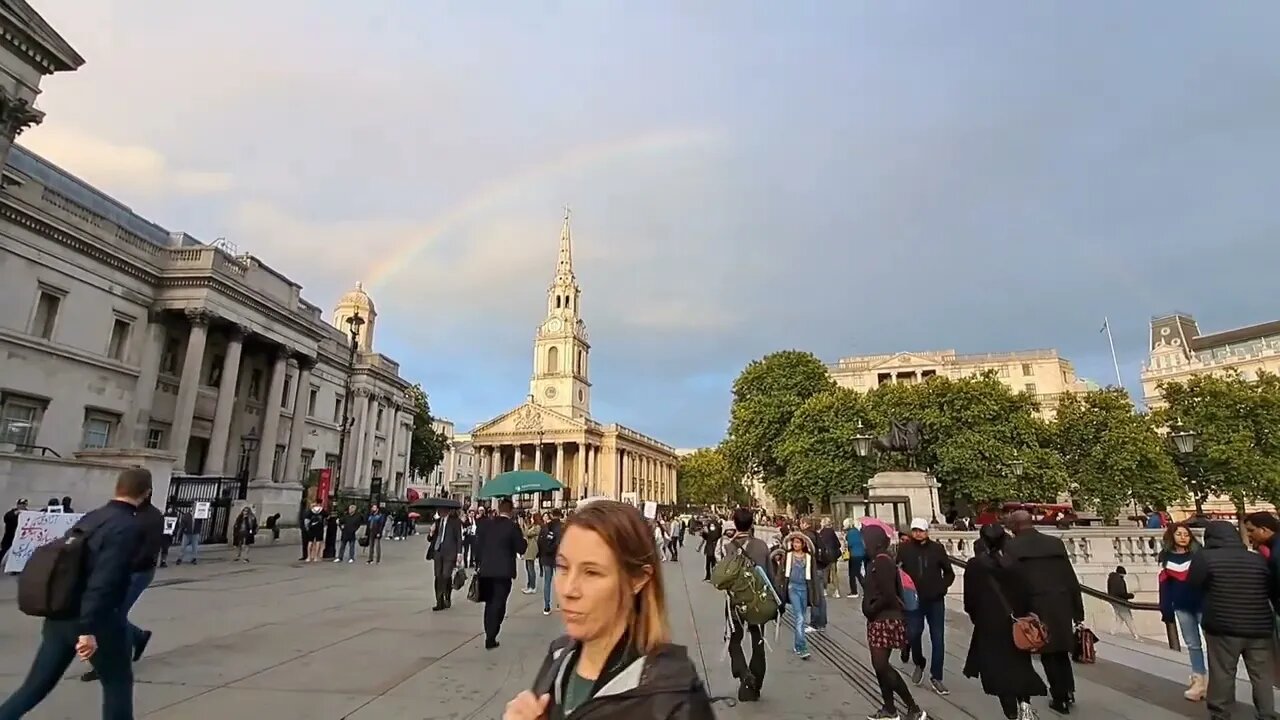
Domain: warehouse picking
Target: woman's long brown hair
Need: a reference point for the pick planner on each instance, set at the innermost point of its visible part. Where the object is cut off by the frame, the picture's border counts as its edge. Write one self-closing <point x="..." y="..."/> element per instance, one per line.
<point x="627" y="534"/>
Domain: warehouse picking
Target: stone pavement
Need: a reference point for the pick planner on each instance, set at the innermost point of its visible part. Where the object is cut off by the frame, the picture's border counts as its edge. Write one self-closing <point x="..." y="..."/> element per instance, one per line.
<point x="285" y="640"/>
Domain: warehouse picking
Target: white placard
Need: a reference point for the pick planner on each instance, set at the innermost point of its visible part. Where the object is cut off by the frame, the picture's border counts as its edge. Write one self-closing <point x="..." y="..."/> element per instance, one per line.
<point x="650" y="509"/>
<point x="202" y="511"/>
<point x="170" y="524"/>
<point x="37" y="528"/>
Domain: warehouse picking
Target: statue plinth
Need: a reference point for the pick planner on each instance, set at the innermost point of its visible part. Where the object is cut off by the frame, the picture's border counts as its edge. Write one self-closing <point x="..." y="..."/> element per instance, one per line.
<point x="919" y="488"/>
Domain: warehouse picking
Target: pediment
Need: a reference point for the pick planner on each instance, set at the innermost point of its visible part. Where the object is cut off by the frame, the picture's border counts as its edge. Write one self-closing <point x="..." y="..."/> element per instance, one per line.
<point x="42" y="32"/>
<point x="528" y="418"/>
<point x="907" y="360"/>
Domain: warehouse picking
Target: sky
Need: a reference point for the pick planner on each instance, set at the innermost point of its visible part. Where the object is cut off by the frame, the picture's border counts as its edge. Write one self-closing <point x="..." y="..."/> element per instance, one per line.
<point x="844" y="178"/>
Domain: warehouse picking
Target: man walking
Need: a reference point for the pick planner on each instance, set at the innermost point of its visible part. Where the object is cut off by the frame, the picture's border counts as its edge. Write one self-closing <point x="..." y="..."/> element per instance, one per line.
<point x="373" y="531"/>
<point x="498" y="542"/>
<point x="11" y="528"/>
<point x="750" y="675"/>
<point x="925" y="561"/>
<point x="822" y="559"/>
<point x="1239" y="593"/>
<point x="548" y="546"/>
<point x="98" y="634"/>
<point x="711" y="533"/>
<point x="189" y="530"/>
<point x="1055" y="598"/>
<point x="445" y="552"/>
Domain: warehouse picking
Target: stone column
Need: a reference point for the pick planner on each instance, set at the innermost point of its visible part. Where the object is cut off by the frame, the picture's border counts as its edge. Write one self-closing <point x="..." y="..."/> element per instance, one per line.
<point x="216" y="462"/>
<point x="393" y="442"/>
<point x="559" y="468"/>
<point x="591" y="472"/>
<point x="581" y="479"/>
<point x="271" y="417"/>
<point x="370" y="432"/>
<point x="293" y="454"/>
<point x="407" y="431"/>
<point x="137" y="422"/>
<point x="537" y="456"/>
<point x="355" y="444"/>
<point x="184" y="410"/>
<point x="519" y="457"/>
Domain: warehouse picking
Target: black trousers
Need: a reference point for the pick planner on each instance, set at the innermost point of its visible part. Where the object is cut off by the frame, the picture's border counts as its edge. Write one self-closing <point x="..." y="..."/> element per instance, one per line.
<point x="1224" y="653"/>
<point x="1058" y="672"/>
<point x="444" y="565"/>
<point x="748" y="673"/>
<point x="711" y="562"/>
<point x="494" y="592"/>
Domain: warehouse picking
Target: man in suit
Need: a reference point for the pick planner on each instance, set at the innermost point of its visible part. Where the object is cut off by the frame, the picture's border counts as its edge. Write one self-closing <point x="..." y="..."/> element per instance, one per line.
<point x="445" y="551"/>
<point x="498" y="541"/>
<point x="712" y="531"/>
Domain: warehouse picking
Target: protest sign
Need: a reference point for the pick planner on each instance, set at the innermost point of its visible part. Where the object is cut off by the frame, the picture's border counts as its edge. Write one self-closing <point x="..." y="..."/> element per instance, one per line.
<point x="170" y="524"/>
<point x="35" y="529"/>
<point x="202" y="511"/>
<point x="650" y="509"/>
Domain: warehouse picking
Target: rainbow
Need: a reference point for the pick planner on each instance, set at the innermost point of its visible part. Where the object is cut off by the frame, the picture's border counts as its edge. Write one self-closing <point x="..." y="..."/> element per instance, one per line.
<point x="576" y="160"/>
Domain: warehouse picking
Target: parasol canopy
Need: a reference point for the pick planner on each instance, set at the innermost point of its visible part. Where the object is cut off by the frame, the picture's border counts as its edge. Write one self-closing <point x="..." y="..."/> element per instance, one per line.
<point x="517" y="482"/>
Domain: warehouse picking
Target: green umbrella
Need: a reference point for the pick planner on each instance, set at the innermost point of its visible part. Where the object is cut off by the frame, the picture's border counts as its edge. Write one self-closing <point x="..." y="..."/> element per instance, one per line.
<point x="518" y="482"/>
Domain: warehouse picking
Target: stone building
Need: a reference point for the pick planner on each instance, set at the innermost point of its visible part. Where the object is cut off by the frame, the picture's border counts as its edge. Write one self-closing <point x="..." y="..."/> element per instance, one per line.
<point x="456" y="473"/>
<point x="1042" y="373"/>
<point x="1179" y="352"/>
<point x="116" y="333"/>
<point x="553" y="430"/>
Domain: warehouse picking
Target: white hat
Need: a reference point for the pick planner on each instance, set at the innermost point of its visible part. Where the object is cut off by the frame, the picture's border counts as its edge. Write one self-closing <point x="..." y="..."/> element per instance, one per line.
<point x="919" y="524"/>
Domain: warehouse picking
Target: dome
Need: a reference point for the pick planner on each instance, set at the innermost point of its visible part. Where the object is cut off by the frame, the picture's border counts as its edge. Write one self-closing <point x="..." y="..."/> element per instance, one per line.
<point x="357" y="298"/>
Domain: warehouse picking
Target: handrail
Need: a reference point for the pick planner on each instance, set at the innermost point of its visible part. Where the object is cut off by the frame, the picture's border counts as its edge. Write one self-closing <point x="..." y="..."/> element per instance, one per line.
<point x="1171" y="628"/>
<point x="44" y="451"/>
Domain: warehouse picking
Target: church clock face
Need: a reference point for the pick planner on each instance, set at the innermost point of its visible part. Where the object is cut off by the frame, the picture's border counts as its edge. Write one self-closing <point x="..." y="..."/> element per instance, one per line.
<point x="551" y="393"/>
<point x="554" y="325"/>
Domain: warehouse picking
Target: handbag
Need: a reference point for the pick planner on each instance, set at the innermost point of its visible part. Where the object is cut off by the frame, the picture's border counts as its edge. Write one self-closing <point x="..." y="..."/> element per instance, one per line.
<point x="1083" y="650"/>
<point x="1029" y="634"/>
<point x="473" y="590"/>
<point x="460" y="579"/>
<point x="364" y="541"/>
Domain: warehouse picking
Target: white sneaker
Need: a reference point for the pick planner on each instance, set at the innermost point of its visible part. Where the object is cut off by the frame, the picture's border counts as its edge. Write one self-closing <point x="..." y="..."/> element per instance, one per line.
<point x="337" y="559"/>
<point x="546" y="612"/>
<point x="351" y="561"/>
<point x="810" y="629"/>
<point x="836" y="596"/>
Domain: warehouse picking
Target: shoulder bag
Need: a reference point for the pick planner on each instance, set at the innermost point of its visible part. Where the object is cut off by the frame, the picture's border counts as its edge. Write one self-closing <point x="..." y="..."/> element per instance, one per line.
<point x="1029" y="634"/>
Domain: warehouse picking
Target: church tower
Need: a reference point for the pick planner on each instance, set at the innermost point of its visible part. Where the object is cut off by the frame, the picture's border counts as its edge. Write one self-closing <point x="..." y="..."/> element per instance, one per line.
<point x="560" y="350"/>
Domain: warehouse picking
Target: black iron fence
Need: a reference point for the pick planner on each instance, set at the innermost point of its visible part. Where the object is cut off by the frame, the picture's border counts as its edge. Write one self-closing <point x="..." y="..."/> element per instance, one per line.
<point x="186" y="491"/>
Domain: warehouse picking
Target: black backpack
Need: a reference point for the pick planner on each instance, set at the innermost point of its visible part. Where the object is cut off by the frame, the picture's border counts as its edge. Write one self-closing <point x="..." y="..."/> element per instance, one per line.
<point x="53" y="579"/>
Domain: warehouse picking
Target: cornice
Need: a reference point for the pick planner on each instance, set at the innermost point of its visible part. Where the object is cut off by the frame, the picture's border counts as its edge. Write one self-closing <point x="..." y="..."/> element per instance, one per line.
<point x="40" y="53"/>
<point x="22" y="218"/>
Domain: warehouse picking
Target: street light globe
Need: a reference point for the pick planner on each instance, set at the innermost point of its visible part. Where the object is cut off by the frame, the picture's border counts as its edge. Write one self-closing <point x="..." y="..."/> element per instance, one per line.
<point x="862" y="442"/>
<point x="1184" y="441"/>
<point x="1016" y="466"/>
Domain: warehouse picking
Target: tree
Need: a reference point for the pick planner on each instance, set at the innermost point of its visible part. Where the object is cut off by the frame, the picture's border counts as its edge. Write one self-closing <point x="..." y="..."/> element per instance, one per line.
<point x="426" y="445"/>
<point x="818" y="450"/>
<point x="766" y="395"/>
<point x="707" y="478"/>
<point x="1237" y="435"/>
<point x="1112" y="454"/>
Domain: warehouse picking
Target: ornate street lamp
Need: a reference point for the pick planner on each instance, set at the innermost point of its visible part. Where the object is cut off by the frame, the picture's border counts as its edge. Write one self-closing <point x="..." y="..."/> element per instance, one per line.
<point x="354" y="323"/>
<point x="862" y="442"/>
<point x="248" y="443"/>
<point x="1184" y="441"/>
<point x="1016" y="465"/>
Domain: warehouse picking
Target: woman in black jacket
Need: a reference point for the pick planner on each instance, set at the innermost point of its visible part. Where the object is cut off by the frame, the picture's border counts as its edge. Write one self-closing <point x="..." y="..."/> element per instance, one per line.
<point x="886" y="630"/>
<point x="616" y="659"/>
<point x="993" y="594"/>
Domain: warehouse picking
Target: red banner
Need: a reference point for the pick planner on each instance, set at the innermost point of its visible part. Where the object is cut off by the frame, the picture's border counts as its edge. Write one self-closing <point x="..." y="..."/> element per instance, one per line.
<point x="322" y="487"/>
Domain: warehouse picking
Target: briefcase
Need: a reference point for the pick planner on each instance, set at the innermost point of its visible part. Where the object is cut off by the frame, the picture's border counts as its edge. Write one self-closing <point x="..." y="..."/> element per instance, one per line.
<point x="473" y="591"/>
<point x="460" y="579"/>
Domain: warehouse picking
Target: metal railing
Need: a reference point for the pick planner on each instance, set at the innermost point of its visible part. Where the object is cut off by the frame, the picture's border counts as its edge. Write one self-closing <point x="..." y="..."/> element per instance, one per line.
<point x="1171" y="628"/>
<point x="44" y="451"/>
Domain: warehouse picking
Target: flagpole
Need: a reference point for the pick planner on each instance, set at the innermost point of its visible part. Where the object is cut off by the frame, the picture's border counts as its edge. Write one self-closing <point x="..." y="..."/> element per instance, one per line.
<point x="1106" y="323"/>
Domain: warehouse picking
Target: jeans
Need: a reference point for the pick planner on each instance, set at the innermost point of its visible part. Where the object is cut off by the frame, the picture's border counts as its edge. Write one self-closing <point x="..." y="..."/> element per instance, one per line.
<point x="1224" y="654"/>
<point x="375" y="548"/>
<point x="818" y="613"/>
<point x="347" y="548"/>
<point x="138" y="583"/>
<point x="57" y="649"/>
<point x="934" y="613"/>
<point x="190" y="541"/>
<point x="548" y="574"/>
<point x="798" y="598"/>
<point x="1189" y="625"/>
<point x="531" y="574"/>
<point x="855" y="575"/>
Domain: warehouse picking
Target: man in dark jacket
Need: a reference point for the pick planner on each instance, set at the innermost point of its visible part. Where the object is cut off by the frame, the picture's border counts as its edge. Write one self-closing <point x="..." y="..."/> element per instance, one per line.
<point x="1046" y="569"/>
<point x="548" y="546"/>
<point x="498" y="542"/>
<point x="712" y="531"/>
<point x="445" y="552"/>
<point x="350" y="528"/>
<point x="376" y="525"/>
<point x="822" y="559"/>
<point x="1238" y="618"/>
<point x="925" y="561"/>
<point x="750" y="676"/>
<point x="99" y="634"/>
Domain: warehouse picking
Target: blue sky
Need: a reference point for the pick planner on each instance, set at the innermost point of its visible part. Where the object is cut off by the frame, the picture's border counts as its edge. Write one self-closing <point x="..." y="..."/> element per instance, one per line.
<point x="845" y="178"/>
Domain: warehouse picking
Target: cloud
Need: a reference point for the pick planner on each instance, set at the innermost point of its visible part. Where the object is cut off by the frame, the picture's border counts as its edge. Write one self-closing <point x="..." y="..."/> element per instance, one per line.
<point x="123" y="169"/>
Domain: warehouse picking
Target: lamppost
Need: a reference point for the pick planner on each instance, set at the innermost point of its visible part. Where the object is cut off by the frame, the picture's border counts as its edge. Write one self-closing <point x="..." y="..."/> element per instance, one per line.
<point x="864" y="443"/>
<point x="248" y="443"/>
<point x="1184" y="444"/>
<point x="354" y="323"/>
<point x="1016" y="465"/>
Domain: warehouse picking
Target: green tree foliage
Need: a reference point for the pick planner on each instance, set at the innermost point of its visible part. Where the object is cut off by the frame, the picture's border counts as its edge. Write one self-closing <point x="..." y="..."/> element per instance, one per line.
<point x="766" y="395"/>
<point x="1237" y="427"/>
<point x="426" y="446"/>
<point x="818" y="450"/>
<point x="1113" y="454"/>
<point x="707" y="478"/>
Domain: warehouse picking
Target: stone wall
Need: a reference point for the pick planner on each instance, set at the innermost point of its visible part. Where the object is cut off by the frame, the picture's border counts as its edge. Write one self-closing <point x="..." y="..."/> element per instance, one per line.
<point x="89" y="478"/>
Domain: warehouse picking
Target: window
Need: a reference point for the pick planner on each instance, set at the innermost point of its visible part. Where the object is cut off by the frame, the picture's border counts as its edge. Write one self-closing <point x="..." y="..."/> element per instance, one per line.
<point x="1027" y="370"/>
<point x="378" y="426"/>
<point x="45" y="319"/>
<point x="1031" y="388"/>
<point x="337" y="410"/>
<point x="169" y="358"/>
<point x="1004" y="371"/>
<point x="255" y="383"/>
<point x="155" y="438"/>
<point x="331" y="462"/>
<point x="215" y="371"/>
<point x="118" y="345"/>
<point x="288" y="385"/>
<point x="20" y="419"/>
<point x="553" y="359"/>
<point x="305" y="467"/>
<point x="99" y="427"/>
<point x="311" y="401"/>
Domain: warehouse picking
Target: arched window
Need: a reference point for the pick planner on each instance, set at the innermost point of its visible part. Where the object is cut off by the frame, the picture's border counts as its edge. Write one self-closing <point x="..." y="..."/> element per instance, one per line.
<point x="553" y="359"/>
<point x="557" y="302"/>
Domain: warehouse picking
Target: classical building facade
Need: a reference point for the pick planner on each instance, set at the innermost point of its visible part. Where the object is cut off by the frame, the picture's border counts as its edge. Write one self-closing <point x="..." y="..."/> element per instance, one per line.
<point x="455" y="476"/>
<point x="1179" y="351"/>
<point x="553" y="430"/>
<point x="117" y="333"/>
<point x="1042" y="373"/>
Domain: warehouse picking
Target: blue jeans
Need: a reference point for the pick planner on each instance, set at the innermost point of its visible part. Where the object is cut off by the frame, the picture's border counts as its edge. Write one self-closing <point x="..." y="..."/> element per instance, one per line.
<point x="818" y="613"/>
<point x="531" y="574"/>
<point x="934" y="613"/>
<point x="798" y="598"/>
<point x="548" y="574"/>
<point x="348" y="548"/>
<point x="57" y="649"/>
<point x="1189" y="625"/>
<point x="190" y="541"/>
<point x="138" y="583"/>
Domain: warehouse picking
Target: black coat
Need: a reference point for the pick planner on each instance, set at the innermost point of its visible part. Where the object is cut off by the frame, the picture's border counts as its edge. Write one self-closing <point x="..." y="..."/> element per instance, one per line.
<point x="1054" y="589"/>
<point x="452" y="543"/>
<point x="114" y="537"/>
<point x="929" y="567"/>
<point x="351" y="524"/>
<point x="1237" y="586"/>
<point x="1002" y="667"/>
<point x="498" y="541"/>
<point x="711" y="535"/>
<point x="151" y="537"/>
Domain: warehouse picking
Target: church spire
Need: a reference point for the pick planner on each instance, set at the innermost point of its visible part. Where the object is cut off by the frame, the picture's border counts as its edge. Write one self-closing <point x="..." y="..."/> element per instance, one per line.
<point x="564" y="265"/>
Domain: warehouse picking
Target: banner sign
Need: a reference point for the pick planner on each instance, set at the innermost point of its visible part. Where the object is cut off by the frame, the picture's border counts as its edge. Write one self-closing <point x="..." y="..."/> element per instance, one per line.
<point x="324" y="479"/>
<point x="36" y="529"/>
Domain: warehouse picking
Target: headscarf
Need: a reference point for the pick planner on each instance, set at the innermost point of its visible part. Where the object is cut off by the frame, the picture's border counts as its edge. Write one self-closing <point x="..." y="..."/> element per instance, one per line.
<point x="875" y="540"/>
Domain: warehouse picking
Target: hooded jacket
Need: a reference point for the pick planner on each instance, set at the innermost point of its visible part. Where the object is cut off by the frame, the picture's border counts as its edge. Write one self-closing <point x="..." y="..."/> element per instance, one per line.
<point x="780" y="559"/>
<point x="882" y="599"/>
<point x="662" y="685"/>
<point x="1236" y="585"/>
<point x="929" y="567"/>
